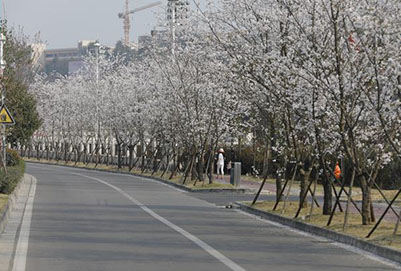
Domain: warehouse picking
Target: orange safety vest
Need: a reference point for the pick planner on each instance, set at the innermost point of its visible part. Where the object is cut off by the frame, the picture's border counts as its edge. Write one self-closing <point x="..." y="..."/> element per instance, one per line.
<point x="337" y="172"/>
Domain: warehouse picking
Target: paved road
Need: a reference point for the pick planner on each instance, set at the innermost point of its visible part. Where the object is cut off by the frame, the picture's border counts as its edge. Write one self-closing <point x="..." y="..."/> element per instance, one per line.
<point x="87" y="220"/>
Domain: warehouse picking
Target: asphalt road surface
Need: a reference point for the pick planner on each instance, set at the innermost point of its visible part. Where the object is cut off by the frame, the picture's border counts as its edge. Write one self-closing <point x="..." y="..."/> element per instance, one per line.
<point x="89" y="220"/>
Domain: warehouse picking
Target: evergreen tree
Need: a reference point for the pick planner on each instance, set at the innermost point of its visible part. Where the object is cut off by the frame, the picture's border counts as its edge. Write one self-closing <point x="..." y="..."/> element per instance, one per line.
<point x="17" y="77"/>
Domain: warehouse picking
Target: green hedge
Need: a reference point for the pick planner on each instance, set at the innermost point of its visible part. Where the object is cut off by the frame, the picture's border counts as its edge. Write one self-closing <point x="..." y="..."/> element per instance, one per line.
<point x="15" y="171"/>
<point x="389" y="176"/>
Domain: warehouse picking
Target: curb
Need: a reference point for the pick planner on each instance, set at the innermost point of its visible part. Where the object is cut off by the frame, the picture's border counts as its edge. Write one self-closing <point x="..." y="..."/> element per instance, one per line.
<point x="179" y="186"/>
<point x="12" y="200"/>
<point x="12" y="219"/>
<point x="384" y="252"/>
<point x="207" y="190"/>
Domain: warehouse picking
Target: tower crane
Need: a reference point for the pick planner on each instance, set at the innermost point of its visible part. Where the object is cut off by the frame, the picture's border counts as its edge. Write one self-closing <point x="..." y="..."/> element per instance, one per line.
<point x="125" y="17"/>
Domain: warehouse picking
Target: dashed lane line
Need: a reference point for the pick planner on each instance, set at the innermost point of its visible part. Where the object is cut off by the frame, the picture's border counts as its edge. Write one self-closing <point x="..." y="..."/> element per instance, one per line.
<point x="213" y="252"/>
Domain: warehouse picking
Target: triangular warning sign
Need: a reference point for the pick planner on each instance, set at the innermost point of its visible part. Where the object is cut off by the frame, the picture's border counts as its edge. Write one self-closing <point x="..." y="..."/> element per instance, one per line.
<point x="5" y="116"/>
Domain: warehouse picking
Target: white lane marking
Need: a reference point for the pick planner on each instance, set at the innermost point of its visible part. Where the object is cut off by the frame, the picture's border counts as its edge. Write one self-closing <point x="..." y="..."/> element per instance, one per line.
<point x="143" y="179"/>
<point x="219" y="256"/>
<point x="341" y="245"/>
<point x="363" y="253"/>
<point x="21" y="250"/>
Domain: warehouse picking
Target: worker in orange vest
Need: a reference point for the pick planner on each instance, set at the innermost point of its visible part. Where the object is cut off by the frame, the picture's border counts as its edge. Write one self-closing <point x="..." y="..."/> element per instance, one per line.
<point x="337" y="171"/>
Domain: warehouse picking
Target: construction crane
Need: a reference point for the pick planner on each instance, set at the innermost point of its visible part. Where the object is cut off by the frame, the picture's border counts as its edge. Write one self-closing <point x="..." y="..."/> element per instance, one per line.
<point x="125" y="16"/>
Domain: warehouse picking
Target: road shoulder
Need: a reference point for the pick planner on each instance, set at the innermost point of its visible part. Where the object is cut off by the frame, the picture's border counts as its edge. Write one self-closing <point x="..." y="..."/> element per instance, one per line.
<point x="11" y="220"/>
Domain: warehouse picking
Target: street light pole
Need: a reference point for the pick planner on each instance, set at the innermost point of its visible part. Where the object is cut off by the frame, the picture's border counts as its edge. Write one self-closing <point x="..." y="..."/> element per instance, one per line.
<point x="97" y="49"/>
<point x="173" y="27"/>
<point x="172" y="6"/>
<point x="177" y="11"/>
<point x="3" y="91"/>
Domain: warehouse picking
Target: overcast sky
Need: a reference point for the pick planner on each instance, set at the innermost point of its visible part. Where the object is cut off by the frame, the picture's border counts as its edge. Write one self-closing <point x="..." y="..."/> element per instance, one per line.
<point x="62" y="23"/>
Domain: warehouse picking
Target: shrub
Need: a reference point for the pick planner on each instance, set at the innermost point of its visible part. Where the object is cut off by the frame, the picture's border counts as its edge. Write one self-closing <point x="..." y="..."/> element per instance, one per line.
<point x="15" y="171"/>
<point x="12" y="158"/>
<point x="389" y="177"/>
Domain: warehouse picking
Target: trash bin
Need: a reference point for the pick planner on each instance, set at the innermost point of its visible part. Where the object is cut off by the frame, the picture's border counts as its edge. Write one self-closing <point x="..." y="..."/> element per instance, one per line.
<point x="235" y="176"/>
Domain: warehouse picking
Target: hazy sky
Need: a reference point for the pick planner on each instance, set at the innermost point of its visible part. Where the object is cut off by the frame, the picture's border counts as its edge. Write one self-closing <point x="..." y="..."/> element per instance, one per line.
<point x="62" y="23"/>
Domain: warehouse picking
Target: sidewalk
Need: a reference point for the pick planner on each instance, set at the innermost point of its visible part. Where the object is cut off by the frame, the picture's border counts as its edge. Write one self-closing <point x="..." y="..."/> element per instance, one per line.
<point x="270" y="189"/>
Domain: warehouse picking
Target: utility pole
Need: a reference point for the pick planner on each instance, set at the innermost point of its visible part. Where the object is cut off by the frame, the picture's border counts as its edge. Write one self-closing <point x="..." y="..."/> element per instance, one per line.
<point x="3" y="92"/>
<point x="5" y="116"/>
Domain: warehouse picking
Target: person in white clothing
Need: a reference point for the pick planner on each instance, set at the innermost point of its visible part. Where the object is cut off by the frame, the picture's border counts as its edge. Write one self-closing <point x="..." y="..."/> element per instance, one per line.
<point x="220" y="163"/>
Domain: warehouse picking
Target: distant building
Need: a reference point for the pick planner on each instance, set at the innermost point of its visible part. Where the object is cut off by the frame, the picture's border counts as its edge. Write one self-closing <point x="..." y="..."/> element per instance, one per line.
<point x="87" y="47"/>
<point x="177" y="16"/>
<point x="157" y="39"/>
<point x="65" y="53"/>
<point x="67" y="61"/>
<point x="74" y="66"/>
<point x="177" y="11"/>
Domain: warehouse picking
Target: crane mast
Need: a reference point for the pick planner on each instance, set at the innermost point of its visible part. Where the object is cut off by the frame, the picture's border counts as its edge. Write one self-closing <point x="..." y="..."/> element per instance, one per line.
<point x="127" y="24"/>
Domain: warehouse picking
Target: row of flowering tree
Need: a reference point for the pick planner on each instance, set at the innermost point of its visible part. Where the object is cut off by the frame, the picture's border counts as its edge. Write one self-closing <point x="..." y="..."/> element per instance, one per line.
<point x="319" y="80"/>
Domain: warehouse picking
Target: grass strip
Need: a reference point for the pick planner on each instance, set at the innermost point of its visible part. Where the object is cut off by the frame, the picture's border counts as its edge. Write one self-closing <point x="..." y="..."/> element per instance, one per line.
<point x="382" y="236"/>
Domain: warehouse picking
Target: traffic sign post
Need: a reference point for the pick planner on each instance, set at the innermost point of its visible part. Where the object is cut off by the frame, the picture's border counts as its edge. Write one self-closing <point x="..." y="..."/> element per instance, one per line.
<point x="3" y="93"/>
<point x="5" y="117"/>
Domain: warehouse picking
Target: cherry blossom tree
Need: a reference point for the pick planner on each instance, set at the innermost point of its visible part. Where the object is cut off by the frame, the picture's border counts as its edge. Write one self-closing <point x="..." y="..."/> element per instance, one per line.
<point x="316" y="81"/>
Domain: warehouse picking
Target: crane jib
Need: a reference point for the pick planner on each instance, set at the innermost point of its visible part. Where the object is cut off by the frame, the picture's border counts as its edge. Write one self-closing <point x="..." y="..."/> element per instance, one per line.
<point x="125" y="16"/>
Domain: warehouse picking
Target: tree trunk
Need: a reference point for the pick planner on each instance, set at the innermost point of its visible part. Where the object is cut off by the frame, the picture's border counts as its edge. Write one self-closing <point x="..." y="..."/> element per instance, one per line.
<point x="279" y="188"/>
<point x="201" y="162"/>
<point x="372" y="213"/>
<point x="66" y="146"/>
<point x="47" y="152"/>
<point x="188" y="170"/>
<point x="119" y="155"/>
<point x="327" y="196"/>
<point x="366" y="214"/>
<point x="303" y="187"/>
<point x="211" y="167"/>
<point x="131" y="154"/>
<point x="327" y="190"/>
